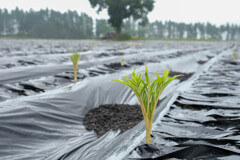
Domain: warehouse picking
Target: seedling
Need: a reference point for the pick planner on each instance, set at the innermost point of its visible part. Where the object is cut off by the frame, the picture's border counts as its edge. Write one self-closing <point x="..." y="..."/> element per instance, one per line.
<point x="25" y="52"/>
<point x="234" y="56"/>
<point x="90" y="46"/>
<point x="148" y="94"/>
<point x="75" y="58"/>
<point x="122" y="62"/>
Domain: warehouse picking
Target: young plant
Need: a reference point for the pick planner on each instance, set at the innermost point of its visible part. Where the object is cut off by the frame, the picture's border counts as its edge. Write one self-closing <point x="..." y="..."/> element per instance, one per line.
<point x="148" y="94"/>
<point x="90" y="46"/>
<point x="122" y="62"/>
<point x="75" y="58"/>
<point x="234" y="56"/>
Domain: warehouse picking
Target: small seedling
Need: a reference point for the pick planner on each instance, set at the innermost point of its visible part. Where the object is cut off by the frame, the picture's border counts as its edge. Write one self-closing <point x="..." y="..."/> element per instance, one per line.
<point x="90" y="46"/>
<point x="122" y="62"/>
<point x="25" y="52"/>
<point x="234" y="56"/>
<point x="148" y="94"/>
<point x="75" y="58"/>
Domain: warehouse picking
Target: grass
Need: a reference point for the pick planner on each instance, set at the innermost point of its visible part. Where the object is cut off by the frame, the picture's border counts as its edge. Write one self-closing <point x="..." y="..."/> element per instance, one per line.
<point x="123" y="37"/>
<point x="16" y="37"/>
<point x="173" y="39"/>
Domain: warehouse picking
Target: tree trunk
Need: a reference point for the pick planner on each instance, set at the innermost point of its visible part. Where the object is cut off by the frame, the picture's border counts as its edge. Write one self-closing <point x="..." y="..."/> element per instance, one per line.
<point x="118" y="30"/>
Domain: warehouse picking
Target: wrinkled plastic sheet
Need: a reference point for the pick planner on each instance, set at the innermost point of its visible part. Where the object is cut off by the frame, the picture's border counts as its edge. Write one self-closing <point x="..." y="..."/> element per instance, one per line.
<point x="203" y="122"/>
<point x="47" y="123"/>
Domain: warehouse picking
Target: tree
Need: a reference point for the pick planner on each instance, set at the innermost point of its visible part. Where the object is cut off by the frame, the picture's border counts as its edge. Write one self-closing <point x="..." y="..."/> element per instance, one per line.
<point x="102" y="28"/>
<point x="119" y="10"/>
<point x="1" y="22"/>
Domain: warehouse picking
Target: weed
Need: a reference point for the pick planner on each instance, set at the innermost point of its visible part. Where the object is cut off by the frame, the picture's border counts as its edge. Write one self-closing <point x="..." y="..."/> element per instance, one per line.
<point x="123" y="37"/>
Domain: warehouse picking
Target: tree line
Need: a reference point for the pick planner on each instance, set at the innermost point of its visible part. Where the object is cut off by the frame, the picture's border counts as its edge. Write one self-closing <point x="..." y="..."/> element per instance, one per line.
<point x="174" y="30"/>
<point x="71" y="25"/>
<point x="46" y="24"/>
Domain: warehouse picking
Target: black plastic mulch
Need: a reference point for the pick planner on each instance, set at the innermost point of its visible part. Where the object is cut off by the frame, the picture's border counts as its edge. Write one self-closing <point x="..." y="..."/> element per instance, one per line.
<point x="184" y="76"/>
<point x="204" y="122"/>
<point x="42" y="110"/>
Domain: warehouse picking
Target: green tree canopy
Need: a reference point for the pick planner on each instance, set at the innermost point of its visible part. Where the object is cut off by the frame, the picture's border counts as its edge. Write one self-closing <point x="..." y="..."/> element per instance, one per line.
<point x="118" y="10"/>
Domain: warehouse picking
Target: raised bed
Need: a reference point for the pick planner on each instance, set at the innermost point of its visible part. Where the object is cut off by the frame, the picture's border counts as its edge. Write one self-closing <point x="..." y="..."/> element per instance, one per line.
<point x="42" y="110"/>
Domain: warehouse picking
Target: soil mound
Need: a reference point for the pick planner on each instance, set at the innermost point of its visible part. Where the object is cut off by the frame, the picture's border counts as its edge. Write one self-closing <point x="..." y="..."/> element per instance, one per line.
<point x="114" y="116"/>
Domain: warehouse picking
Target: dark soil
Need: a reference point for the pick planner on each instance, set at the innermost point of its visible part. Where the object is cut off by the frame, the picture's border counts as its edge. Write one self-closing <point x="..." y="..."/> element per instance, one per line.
<point x="192" y="107"/>
<point x="218" y="94"/>
<point x="117" y="116"/>
<point x="31" y="87"/>
<point x="116" y="66"/>
<point x="181" y="78"/>
<point x="102" y="55"/>
<point x="234" y="63"/>
<point x="201" y="62"/>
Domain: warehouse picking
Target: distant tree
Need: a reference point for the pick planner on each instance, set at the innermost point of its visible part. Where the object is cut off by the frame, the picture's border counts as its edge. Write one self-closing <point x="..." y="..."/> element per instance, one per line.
<point x="141" y="32"/>
<point x="102" y="27"/>
<point x="168" y="25"/>
<point x="181" y="28"/>
<point x="200" y="27"/>
<point x="119" y="10"/>
<point x="233" y="32"/>
<point x="129" y="27"/>
<point x="160" y="29"/>
<point x="6" y="22"/>
<point x="1" y="22"/>
<point x="190" y="31"/>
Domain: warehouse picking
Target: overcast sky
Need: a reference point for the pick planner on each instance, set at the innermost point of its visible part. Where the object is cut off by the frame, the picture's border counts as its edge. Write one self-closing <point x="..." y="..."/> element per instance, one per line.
<point x="214" y="11"/>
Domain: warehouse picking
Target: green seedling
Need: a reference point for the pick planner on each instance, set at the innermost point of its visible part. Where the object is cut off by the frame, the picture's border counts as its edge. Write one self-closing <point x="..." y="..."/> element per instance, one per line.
<point x="25" y="52"/>
<point x="75" y="58"/>
<point x="234" y="56"/>
<point x="122" y="62"/>
<point x="90" y="46"/>
<point x="148" y="94"/>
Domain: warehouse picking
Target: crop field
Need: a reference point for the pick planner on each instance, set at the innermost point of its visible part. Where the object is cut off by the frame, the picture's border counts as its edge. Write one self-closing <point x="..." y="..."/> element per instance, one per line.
<point x="45" y="113"/>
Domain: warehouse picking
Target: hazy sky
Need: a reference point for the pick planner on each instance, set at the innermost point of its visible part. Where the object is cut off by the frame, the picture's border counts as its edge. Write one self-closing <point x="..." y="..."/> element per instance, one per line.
<point x="214" y="11"/>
